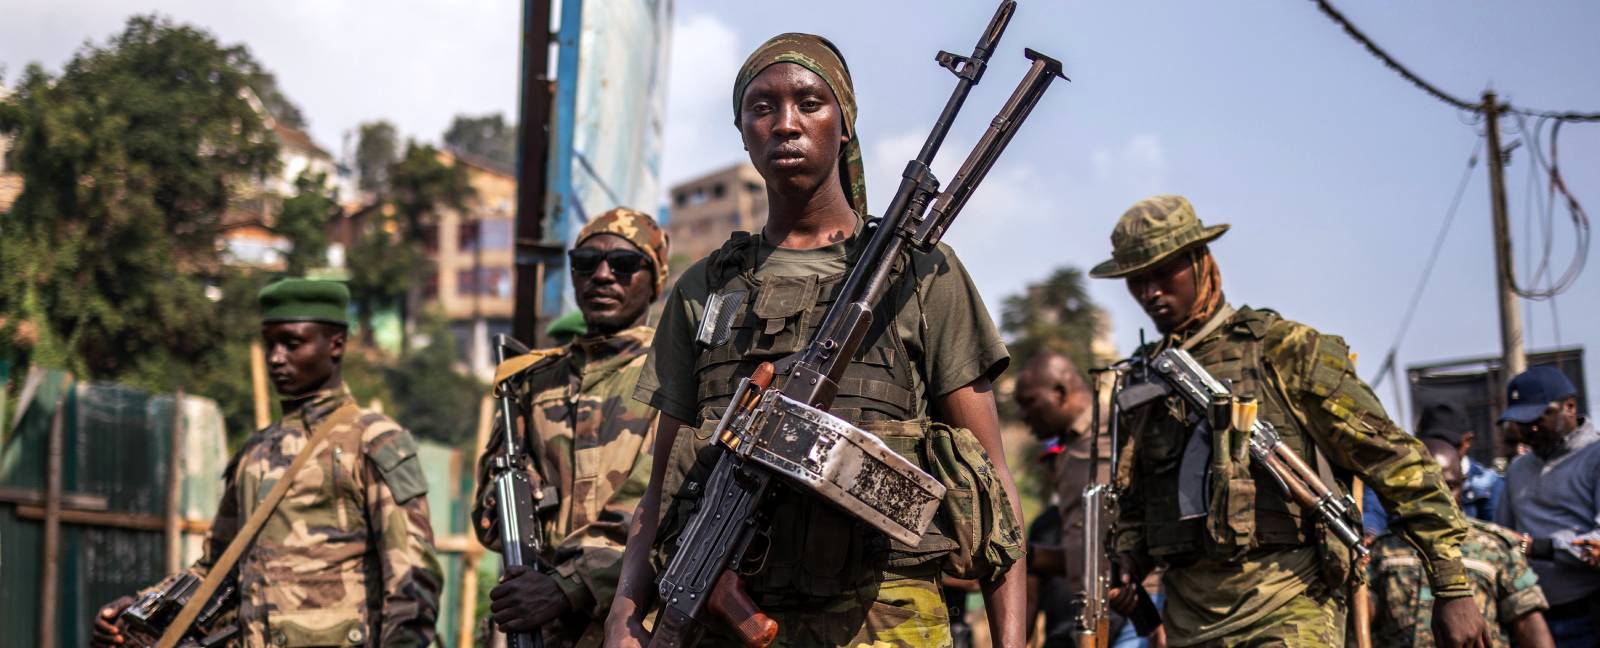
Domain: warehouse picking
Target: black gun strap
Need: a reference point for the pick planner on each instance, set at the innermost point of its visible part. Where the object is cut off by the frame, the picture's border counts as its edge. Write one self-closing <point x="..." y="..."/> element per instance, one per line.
<point x="246" y="535"/>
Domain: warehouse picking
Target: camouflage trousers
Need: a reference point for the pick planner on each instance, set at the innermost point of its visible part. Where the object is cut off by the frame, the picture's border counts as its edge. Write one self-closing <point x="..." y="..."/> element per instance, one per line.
<point x="1304" y="622"/>
<point x="897" y="612"/>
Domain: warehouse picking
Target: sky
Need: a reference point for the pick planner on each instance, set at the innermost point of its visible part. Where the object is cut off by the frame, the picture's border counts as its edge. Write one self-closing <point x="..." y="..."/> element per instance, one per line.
<point x="1334" y="172"/>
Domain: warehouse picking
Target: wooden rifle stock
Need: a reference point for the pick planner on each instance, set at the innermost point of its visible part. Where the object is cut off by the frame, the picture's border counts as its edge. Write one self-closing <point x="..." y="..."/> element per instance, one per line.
<point x="729" y="601"/>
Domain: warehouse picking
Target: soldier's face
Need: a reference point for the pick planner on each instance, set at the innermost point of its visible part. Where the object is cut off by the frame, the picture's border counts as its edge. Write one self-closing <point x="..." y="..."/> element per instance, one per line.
<point x="1043" y="404"/>
<point x="609" y="300"/>
<point x="1167" y="292"/>
<point x="793" y="128"/>
<point x="302" y="357"/>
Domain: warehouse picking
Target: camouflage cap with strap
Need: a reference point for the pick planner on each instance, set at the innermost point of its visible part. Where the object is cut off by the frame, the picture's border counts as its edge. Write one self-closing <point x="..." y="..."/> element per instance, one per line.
<point x="819" y="55"/>
<point x="1152" y="231"/>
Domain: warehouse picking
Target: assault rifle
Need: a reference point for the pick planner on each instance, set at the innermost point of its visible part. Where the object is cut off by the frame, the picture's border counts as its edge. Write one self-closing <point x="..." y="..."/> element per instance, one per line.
<point x="1100" y="508"/>
<point x="521" y="536"/>
<point x="1212" y="406"/>
<point x="778" y="422"/>
<point x="152" y="612"/>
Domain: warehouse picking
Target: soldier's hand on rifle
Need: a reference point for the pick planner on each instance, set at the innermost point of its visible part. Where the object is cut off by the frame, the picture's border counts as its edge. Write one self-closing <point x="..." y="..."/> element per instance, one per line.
<point x="106" y="630"/>
<point x="525" y="600"/>
<point x="1122" y="596"/>
<point x="490" y="521"/>
<point x="1457" y="623"/>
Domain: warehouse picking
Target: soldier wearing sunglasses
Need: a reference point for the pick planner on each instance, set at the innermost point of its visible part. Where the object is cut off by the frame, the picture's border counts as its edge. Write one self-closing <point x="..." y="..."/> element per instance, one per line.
<point x="594" y="440"/>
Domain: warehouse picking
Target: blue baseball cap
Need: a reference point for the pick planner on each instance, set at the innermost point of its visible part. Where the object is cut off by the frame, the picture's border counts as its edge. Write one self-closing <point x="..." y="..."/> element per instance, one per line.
<point x="1532" y="391"/>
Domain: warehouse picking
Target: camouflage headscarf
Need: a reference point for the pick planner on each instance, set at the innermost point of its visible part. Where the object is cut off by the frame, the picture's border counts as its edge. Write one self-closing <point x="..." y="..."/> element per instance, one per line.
<point x="817" y="54"/>
<point x="640" y="230"/>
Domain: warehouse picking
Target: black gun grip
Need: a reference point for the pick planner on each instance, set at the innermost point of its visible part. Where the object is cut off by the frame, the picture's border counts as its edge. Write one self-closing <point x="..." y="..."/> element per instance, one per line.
<point x="1146" y="618"/>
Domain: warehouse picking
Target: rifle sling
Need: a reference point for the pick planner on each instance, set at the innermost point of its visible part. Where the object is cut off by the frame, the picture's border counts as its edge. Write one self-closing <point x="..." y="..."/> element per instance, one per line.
<point x="219" y="570"/>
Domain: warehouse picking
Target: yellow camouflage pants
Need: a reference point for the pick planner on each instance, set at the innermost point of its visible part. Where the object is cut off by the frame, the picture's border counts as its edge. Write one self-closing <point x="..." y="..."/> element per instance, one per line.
<point x="898" y="612"/>
<point x="1304" y="622"/>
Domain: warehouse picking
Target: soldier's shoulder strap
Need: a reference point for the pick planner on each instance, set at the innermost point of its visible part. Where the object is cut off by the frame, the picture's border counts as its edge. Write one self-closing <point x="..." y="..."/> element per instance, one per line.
<point x="527" y="362"/>
<point x="731" y="258"/>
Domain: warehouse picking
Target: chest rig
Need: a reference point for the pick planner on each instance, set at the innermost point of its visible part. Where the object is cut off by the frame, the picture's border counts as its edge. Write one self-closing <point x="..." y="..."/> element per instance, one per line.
<point x="815" y="550"/>
<point x="1261" y="514"/>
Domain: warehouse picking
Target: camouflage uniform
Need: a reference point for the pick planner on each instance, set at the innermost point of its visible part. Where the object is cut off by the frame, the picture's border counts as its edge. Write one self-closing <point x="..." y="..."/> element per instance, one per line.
<point x="1503" y="584"/>
<point x="596" y="442"/>
<point x="1254" y="568"/>
<point x="347" y="558"/>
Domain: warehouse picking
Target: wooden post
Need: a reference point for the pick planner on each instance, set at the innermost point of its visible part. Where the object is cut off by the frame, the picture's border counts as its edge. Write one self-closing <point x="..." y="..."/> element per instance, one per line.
<point x="174" y="528"/>
<point x="50" y="570"/>
<point x="258" y="381"/>
<point x="468" y="618"/>
<point x="1513" y="360"/>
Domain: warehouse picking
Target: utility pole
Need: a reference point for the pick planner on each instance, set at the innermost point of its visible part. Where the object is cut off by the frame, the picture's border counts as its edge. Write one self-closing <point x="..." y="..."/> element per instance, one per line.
<point x="1514" y="360"/>
<point x="533" y="150"/>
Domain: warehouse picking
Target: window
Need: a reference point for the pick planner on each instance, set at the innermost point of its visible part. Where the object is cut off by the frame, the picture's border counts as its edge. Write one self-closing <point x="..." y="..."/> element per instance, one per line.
<point x="719" y="190"/>
<point x="681" y="198"/>
<point x="488" y="282"/>
<point x="494" y="234"/>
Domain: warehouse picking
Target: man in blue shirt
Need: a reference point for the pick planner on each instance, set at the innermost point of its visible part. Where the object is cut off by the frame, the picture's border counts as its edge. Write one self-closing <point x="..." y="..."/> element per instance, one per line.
<point x="1553" y="499"/>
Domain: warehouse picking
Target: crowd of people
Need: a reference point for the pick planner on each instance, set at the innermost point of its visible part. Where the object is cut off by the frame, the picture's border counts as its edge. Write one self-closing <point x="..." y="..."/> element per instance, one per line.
<point x="324" y="526"/>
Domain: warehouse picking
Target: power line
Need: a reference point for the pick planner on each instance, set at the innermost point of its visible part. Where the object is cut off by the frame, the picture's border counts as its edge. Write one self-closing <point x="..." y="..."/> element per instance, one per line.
<point x="1441" y="95"/>
<point x="1427" y="269"/>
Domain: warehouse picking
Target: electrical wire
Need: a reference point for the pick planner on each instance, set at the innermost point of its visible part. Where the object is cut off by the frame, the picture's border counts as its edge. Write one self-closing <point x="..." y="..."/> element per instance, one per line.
<point x="1542" y="286"/>
<point x="1435" y="91"/>
<point x="1427" y="268"/>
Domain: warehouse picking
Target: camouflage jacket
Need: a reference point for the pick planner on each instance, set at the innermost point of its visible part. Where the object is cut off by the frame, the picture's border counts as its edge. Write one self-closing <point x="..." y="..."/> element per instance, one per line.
<point x="1307" y="381"/>
<point x="1503" y="585"/>
<point x="347" y="557"/>
<point x="595" y="442"/>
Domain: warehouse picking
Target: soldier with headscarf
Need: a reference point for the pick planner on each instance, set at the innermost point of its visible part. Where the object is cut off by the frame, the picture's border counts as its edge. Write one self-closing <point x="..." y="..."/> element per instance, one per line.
<point x="827" y="579"/>
<point x="1252" y="568"/>
<point x="592" y="439"/>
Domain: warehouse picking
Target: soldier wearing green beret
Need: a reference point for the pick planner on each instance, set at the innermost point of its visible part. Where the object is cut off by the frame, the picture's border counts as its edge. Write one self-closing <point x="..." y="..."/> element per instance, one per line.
<point x="1253" y="568"/>
<point x="347" y="557"/>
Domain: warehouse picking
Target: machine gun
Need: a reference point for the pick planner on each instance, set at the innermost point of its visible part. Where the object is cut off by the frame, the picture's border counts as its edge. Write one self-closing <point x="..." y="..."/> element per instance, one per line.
<point x="152" y="612"/>
<point x="1180" y="374"/>
<point x="778" y="422"/>
<point x="517" y="500"/>
<point x="1099" y="507"/>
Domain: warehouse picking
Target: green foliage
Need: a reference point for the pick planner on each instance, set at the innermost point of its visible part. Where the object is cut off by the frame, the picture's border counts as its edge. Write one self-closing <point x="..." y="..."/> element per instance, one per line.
<point x="1055" y="315"/>
<point x="265" y="86"/>
<point x="431" y="399"/>
<point x="420" y="185"/>
<point x="377" y="147"/>
<point x="488" y="137"/>
<point x="304" y="219"/>
<point x="127" y="159"/>
<point x="382" y="271"/>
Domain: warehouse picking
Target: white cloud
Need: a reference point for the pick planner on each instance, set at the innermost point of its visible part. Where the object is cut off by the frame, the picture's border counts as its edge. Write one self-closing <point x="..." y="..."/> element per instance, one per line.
<point x="699" y="121"/>
<point x="1140" y="164"/>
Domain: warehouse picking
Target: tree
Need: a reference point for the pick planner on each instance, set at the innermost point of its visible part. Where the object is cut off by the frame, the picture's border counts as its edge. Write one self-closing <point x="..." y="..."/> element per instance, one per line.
<point x="304" y="219"/>
<point x="435" y="402"/>
<point x="265" y="87"/>
<point x="1055" y="315"/>
<point x="377" y="148"/>
<point x="128" y="159"/>
<point x="487" y="136"/>
<point x="420" y="185"/>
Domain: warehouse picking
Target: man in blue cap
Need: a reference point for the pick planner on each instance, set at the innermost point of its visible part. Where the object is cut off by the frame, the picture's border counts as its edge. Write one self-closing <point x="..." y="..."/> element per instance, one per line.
<point x="1552" y="498"/>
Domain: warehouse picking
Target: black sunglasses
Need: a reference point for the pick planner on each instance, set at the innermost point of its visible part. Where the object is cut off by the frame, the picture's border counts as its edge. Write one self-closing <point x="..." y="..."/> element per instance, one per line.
<point x="623" y="263"/>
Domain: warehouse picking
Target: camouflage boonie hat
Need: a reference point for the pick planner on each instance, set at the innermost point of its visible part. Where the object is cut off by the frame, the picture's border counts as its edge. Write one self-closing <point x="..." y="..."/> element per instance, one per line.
<point x="1152" y="231"/>
<point x="639" y="229"/>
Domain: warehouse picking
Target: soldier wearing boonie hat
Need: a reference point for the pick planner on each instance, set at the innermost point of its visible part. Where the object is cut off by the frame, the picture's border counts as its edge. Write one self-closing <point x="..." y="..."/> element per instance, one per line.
<point x="1252" y="568"/>
<point x="347" y="557"/>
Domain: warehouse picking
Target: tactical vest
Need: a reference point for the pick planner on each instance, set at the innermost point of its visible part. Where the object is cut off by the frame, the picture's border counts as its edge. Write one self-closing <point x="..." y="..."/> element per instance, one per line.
<point x="1233" y="354"/>
<point x="816" y="550"/>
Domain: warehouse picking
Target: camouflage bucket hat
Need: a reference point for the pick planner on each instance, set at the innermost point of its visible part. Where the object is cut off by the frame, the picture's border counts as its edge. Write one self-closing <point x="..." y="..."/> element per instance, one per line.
<point x="639" y="229"/>
<point x="1152" y="231"/>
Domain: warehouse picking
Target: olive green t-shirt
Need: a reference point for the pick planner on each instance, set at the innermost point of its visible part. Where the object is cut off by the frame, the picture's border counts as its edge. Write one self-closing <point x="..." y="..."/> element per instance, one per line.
<point x="945" y="327"/>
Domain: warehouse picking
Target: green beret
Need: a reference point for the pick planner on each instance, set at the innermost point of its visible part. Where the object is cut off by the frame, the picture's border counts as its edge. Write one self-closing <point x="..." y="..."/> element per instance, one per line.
<point x="305" y="300"/>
